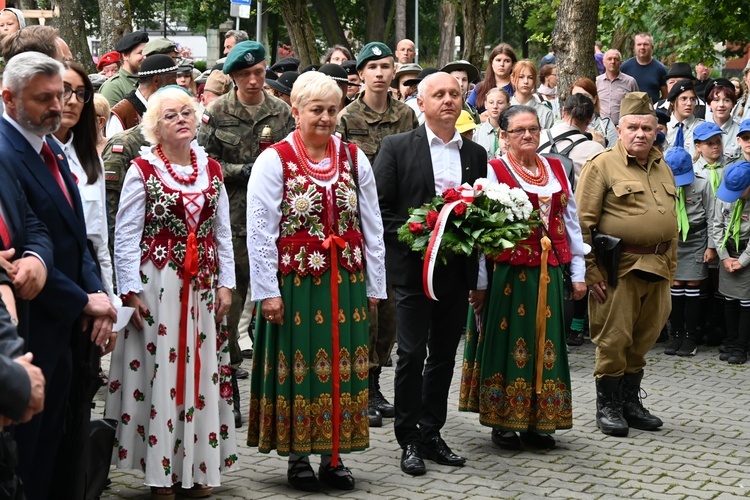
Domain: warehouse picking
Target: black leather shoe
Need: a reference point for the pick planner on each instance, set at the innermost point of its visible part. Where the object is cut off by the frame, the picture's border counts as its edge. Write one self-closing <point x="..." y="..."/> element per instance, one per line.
<point x="507" y="440"/>
<point x="308" y="482"/>
<point x="411" y="461"/>
<point x="242" y="374"/>
<point x="538" y="441"/>
<point x="333" y="477"/>
<point x="436" y="450"/>
<point x="376" y="419"/>
<point x="247" y="354"/>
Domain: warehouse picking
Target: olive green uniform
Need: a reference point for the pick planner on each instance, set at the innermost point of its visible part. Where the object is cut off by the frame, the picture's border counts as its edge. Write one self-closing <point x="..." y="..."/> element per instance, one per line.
<point x="360" y="124"/>
<point x="621" y="198"/>
<point x="231" y="136"/>
<point x="116" y="88"/>
<point x="120" y="150"/>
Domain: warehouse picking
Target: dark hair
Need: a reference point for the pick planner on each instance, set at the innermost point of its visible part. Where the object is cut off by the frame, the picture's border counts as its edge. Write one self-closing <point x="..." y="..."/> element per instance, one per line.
<point x="333" y="49"/>
<point x="589" y="86"/>
<point x="85" y="136"/>
<point x="728" y="92"/>
<point x="579" y="107"/>
<point x="546" y="71"/>
<point x="34" y="38"/>
<point x="489" y="75"/>
<point x="512" y="111"/>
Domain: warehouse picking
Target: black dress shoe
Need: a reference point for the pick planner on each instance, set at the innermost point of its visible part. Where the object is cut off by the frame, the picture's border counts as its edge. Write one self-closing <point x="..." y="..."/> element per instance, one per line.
<point x="436" y="450"/>
<point x="411" y="461"/>
<point x="247" y="354"/>
<point x="338" y="477"/>
<point x="507" y="440"/>
<point x="308" y="482"/>
<point x="242" y="374"/>
<point x="376" y="419"/>
<point x="538" y="441"/>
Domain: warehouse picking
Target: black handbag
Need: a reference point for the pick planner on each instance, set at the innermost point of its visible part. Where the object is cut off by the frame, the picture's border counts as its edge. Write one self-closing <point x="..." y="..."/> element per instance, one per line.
<point x="607" y="250"/>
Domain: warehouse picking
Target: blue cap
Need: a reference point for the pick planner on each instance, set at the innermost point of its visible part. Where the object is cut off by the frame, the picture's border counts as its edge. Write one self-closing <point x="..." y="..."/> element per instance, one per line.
<point x="681" y="164"/>
<point x="706" y="130"/>
<point x="736" y="180"/>
<point x="744" y="126"/>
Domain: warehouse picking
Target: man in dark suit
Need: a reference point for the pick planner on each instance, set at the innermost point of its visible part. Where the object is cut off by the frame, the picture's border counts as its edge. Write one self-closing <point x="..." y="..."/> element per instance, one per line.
<point x="72" y="298"/>
<point x="410" y="169"/>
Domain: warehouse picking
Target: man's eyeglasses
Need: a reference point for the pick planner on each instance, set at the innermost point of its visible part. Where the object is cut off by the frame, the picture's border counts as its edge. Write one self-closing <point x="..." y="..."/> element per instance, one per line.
<point x="82" y="95"/>
<point x="522" y="131"/>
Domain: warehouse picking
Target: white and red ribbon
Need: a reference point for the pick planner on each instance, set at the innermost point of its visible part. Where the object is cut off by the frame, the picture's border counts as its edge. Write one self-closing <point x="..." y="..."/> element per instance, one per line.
<point x="430" y="258"/>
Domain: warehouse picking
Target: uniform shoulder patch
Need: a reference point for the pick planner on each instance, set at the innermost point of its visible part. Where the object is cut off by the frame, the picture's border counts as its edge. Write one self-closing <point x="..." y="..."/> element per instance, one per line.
<point x="117" y="148"/>
<point x="111" y="175"/>
<point x="205" y="118"/>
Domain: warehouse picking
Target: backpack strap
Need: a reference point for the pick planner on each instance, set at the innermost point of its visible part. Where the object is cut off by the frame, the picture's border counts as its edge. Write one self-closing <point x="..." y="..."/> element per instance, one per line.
<point x="567" y="150"/>
<point x="553" y="140"/>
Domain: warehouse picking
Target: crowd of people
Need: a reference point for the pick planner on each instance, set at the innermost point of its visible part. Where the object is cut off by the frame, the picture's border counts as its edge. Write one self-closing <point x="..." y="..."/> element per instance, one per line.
<point x="265" y="201"/>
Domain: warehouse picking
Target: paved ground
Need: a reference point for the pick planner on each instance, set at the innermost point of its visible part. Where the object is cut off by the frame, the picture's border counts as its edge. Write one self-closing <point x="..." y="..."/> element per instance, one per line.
<point x="702" y="451"/>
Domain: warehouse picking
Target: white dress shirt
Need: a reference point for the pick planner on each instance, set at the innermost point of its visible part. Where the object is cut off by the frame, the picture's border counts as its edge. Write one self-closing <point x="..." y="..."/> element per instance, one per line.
<point x="446" y="160"/>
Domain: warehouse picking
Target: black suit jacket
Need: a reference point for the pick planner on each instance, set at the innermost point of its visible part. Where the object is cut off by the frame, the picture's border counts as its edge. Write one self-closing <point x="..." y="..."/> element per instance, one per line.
<point x="405" y="179"/>
<point x="55" y="310"/>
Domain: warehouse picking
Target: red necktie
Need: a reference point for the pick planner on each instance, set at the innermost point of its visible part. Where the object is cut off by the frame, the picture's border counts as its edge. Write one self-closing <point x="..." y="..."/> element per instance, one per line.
<point x="4" y="233"/>
<point x="49" y="159"/>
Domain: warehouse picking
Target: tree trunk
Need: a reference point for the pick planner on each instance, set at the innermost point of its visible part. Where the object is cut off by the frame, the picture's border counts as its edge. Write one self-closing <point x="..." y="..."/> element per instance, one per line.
<point x="299" y="26"/>
<point x="573" y="41"/>
<point x="114" y="16"/>
<point x="377" y="14"/>
<point x="400" y="20"/>
<point x="331" y="23"/>
<point x="447" y="44"/>
<point x="622" y="41"/>
<point x="474" y="13"/>
<point x="72" y="28"/>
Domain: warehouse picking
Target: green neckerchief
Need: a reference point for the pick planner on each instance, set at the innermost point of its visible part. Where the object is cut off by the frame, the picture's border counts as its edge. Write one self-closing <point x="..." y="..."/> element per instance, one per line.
<point x="734" y="224"/>
<point x="495" y="145"/>
<point x="715" y="179"/>
<point x="683" y="224"/>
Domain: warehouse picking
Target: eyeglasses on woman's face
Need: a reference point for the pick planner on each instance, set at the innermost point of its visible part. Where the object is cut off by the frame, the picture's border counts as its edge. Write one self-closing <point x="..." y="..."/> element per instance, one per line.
<point x="81" y="94"/>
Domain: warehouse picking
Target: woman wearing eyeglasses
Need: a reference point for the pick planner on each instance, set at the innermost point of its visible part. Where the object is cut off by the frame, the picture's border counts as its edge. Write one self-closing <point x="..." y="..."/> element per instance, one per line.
<point x="170" y="385"/>
<point x="515" y="371"/>
<point x="78" y="136"/>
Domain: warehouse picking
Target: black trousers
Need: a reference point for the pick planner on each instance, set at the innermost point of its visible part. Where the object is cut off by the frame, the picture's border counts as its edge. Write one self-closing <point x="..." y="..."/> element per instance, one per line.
<point x="428" y="334"/>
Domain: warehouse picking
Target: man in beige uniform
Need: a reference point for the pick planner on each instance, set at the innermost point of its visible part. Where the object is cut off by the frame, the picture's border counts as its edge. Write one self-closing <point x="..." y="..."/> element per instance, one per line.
<point x="628" y="192"/>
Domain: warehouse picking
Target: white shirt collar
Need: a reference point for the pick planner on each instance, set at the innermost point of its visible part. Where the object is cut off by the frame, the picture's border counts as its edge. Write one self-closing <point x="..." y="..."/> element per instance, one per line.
<point x="33" y="139"/>
<point x="456" y="137"/>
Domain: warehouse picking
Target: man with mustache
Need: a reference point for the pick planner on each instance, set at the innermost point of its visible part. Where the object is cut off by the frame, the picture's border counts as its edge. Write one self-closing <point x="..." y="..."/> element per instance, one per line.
<point x="72" y="299"/>
<point x="410" y="170"/>
<point x="627" y="193"/>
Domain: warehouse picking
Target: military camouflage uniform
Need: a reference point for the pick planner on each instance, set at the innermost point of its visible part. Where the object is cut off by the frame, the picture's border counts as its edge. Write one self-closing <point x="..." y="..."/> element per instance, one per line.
<point x="116" y="88"/>
<point x="232" y="137"/>
<point x="360" y="124"/>
<point x="121" y="149"/>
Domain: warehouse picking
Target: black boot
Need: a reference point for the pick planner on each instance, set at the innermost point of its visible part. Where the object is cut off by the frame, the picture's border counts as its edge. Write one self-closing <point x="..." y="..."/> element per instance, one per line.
<point x="377" y="399"/>
<point x="236" y="397"/>
<point x="609" y="418"/>
<point x="689" y="345"/>
<point x="376" y="419"/>
<point x="632" y="409"/>
<point x="675" y="343"/>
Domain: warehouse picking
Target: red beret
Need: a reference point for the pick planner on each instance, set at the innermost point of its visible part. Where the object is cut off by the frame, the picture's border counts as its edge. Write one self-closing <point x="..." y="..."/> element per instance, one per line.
<point x="107" y="59"/>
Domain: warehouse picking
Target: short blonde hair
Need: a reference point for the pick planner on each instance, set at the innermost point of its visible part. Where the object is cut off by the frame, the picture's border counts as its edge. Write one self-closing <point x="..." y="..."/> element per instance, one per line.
<point x="150" y="121"/>
<point x="314" y="86"/>
<point x="101" y="105"/>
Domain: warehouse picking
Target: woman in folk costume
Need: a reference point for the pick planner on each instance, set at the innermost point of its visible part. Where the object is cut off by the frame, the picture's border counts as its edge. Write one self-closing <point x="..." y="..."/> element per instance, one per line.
<point x="515" y="371"/>
<point x="315" y="240"/>
<point x="170" y="378"/>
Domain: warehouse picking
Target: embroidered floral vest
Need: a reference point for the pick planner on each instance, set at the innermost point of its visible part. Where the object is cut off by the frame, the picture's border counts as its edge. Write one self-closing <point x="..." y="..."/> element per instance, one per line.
<point x="529" y="251"/>
<point x="308" y="217"/>
<point x="165" y="231"/>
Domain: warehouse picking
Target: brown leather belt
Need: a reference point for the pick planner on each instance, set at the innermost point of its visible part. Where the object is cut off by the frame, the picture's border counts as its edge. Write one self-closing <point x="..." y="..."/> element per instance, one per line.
<point x="659" y="249"/>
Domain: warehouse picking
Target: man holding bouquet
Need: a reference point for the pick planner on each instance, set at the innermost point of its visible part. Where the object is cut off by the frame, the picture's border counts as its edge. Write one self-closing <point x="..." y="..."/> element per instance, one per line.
<point x="410" y="170"/>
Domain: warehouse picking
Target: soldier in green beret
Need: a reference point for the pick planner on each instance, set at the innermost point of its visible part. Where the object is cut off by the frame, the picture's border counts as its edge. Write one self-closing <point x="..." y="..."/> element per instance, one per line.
<point x="627" y="193"/>
<point x="365" y="122"/>
<point x="233" y="130"/>
<point x="130" y="48"/>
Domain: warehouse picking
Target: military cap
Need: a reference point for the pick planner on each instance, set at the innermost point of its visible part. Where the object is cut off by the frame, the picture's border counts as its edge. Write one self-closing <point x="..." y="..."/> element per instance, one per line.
<point x="97" y="80"/>
<point x="719" y="82"/>
<point x="157" y="64"/>
<point x="271" y="75"/>
<point x="681" y="164"/>
<point x="284" y="83"/>
<point x="350" y="67"/>
<point x="636" y="103"/>
<point x="662" y="117"/>
<point x="107" y="59"/>
<point x="680" y="70"/>
<point x="203" y="78"/>
<point x="405" y="69"/>
<point x="471" y="71"/>
<point x="244" y="55"/>
<point x="736" y="180"/>
<point x="218" y="83"/>
<point x="286" y="64"/>
<point x="335" y="72"/>
<point x="706" y="130"/>
<point x="159" y="46"/>
<point x="372" y="52"/>
<point x="680" y="87"/>
<point x="465" y="122"/>
<point x="421" y="76"/>
<point x="131" y="40"/>
<point x="311" y="67"/>
<point x="185" y="66"/>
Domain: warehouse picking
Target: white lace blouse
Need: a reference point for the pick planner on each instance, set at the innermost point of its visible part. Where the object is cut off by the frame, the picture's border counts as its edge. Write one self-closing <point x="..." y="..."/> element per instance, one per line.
<point x="265" y="191"/>
<point x="131" y="219"/>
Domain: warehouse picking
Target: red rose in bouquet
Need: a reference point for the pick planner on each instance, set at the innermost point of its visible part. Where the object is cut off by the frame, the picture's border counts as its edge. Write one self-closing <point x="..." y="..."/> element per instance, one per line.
<point x="431" y="219"/>
<point x="416" y="227"/>
<point x="460" y="209"/>
<point x="451" y="195"/>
